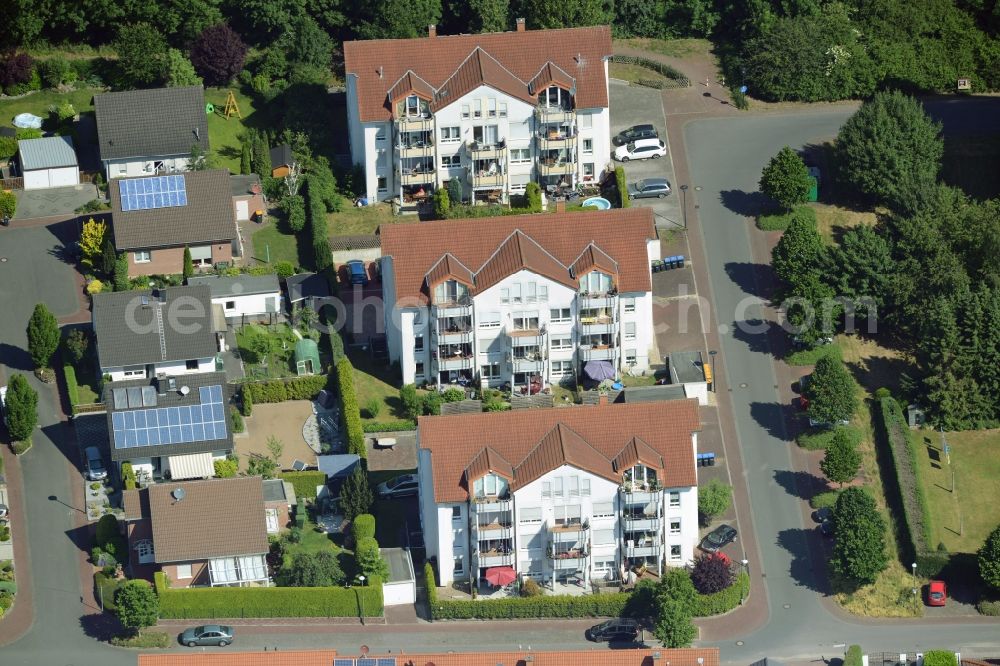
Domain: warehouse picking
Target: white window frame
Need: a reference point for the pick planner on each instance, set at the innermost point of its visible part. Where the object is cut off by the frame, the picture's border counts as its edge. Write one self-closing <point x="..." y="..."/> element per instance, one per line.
<point x="675" y="525"/>
<point x="675" y="552"/>
<point x="584" y="485"/>
<point x="546" y="489"/>
<point x="588" y="146"/>
<point x="561" y="368"/>
<point x="144" y="551"/>
<point x="543" y="293"/>
<point x="489" y="320"/>
<point x="586" y="120"/>
<point x="503" y="109"/>
<point x="142" y="257"/>
<point x="491" y="107"/>
<point x="184" y="572"/>
<point x="628" y="305"/>
<point x="520" y="155"/>
<point x="588" y="171"/>
<point x="673" y="498"/>
<point x="465" y="111"/>
<point x="603" y="509"/>
<point x="524" y="542"/>
<point x="605" y="537"/>
<point x="504" y="295"/>
<point x="456" y="513"/>
<point x="451" y="134"/>
<point x="557" y="486"/>
<point x="451" y="161"/>
<point x="134" y="371"/>
<point x="530" y="515"/>
<point x="382" y="184"/>
<point x="561" y="344"/>
<point x="630" y="330"/>
<point x="458" y="562"/>
<point x="561" y="318"/>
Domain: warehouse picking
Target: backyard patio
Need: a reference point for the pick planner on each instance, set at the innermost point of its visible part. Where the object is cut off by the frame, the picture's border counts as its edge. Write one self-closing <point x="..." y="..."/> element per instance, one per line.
<point x="284" y="421"/>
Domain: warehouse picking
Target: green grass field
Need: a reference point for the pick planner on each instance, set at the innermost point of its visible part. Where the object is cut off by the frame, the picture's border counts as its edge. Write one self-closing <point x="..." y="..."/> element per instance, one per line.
<point x="38" y="103"/>
<point x="223" y="133"/>
<point x="961" y="519"/>
<point x="353" y="220"/>
<point x="374" y="381"/>
<point x="676" y="48"/>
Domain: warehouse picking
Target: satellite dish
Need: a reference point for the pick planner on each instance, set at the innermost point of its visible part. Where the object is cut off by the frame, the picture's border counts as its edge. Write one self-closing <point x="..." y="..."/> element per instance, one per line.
<point x="255" y="188"/>
<point x="185" y="390"/>
<point x="363" y="650"/>
<point x="177" y="494"/>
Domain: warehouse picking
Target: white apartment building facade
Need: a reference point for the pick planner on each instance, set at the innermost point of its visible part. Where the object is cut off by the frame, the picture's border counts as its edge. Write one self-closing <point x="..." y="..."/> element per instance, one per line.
<point x="423" y="112"/>
<point x="519" y="302"/>
<point x="568" y="495"/>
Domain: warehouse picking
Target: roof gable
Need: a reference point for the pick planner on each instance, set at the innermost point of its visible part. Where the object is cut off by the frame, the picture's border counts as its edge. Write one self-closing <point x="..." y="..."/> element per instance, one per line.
<point x="409" y="83"/>
<point x="592" y="258"/>
<point x="479" y="69"/>
<point x="521" y="252"/>
<point x="561" y="446"/>
<point x="637" y="451"/>
<point x="377" y="65"/>
<point x="151" y="123"/>
<point x="448" y="267"/>
<point x="551" y="74"/>
<point x="486" y="461"/>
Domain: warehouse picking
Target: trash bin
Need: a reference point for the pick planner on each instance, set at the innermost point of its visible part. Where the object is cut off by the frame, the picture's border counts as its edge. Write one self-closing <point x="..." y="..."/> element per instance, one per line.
<point x="813" y="189"/>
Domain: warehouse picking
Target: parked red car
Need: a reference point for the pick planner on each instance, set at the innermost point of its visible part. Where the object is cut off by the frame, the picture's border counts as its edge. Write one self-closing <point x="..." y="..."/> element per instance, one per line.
<point x="937" y="593"/>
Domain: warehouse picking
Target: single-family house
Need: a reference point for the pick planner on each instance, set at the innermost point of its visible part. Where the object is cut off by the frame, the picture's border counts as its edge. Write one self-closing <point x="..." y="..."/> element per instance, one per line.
<point x="524" y="301"/>
<point x="156" y="217"/>
<point x="170" y="428"/>
<point x="281" y="160"/>
<point x="200" y="533"/>
<point x="48" y="162"/>
<point x="149" y="132"/>
<point x="244" y="297"/>
<point x="248" y="196"/>
<point x="560" y="494"/>
<point x="156" y="333"/>
<point x="493" y="111"/>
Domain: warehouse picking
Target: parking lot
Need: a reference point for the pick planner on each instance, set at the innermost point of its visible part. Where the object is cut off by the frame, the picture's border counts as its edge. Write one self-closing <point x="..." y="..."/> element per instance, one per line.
<point x="633" y="105"/>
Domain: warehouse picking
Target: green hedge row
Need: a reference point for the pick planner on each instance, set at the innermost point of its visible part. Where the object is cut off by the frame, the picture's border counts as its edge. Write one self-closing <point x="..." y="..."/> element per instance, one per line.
<point x="389" y="426"/>
<point x="320" y="237"/>
<point x="430" y="582"/>
<point x="622" y="186"/>
<point x="72" y="387"/>
<point x="304" y="483"/>
<point x="905" y="491"/>
<point x="239" y="602"/>
<point x="724" y="600"/>
<point x="279" y="390"/>
<point x="350" y="411"/>
<point x="592" y="605"/>
<point x="678" y="79"/>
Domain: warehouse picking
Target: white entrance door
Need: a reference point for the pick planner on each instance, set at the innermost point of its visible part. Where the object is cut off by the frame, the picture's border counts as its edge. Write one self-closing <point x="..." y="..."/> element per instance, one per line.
<point x="242" y="210"/>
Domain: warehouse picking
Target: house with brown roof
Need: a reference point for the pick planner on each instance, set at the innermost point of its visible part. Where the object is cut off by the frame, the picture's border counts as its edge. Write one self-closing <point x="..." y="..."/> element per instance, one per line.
<point x="154" y="218"/>
<point x="566" y="495"/>
<point x="199" y="533"/>
<point x="493" y="111"/>
<point x="524" y="302"/>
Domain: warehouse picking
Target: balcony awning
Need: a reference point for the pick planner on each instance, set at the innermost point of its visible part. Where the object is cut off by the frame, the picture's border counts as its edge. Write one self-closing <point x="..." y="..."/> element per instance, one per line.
<point x="191" y="466"/>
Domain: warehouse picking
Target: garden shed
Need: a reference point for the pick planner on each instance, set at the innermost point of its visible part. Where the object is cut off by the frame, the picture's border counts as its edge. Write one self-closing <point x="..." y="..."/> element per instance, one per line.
<point x="48" y="162"/>
<point x="307" y="357"/>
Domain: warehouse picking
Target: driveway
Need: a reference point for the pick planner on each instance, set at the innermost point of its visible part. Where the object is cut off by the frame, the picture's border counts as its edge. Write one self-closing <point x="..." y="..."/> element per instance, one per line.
<point x="634" y="105"/>
<point x="52" y="202"/>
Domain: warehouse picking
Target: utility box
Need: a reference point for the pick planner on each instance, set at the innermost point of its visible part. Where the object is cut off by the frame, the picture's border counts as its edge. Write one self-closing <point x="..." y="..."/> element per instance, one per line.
<point x="813" y="188"/>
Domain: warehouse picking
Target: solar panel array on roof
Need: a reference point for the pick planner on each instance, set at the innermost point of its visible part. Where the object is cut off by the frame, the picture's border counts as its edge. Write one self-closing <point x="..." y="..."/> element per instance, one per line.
<point x="173" y="425"/>
<point x="364" y="661"/>
<point x="154" y="192"/>
<point x="343" y="661"/>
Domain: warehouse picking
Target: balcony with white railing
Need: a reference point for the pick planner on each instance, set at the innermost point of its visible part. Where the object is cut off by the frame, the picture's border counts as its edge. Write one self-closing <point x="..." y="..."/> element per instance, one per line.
<point x="453" y="330"/>
<point x="452" y="307"/>
<point x="415" y="144"/>
<point x="607" y="301"/>
<point x="556" y="137"/>
<point x="484" y="150"/>
<point x="558" y="114"/>
<point x="598" y="353"/>
<point x="640" y="522"/>
<point x="491" y="504"/>
<point x="418" y="171"/>
<point x="494" y="558"/>
<point x="648" y="548"/>
<point x="573" y="526"/>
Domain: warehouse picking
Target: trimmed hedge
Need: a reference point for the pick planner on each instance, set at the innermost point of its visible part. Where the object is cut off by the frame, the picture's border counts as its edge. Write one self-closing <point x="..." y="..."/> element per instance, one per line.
<point x="240" y="602"/>
<point x="350" y="411"/>
<point x="363" y="526"/>
<point x="622" y="186"/>
<point x="905" y="492"/>
<point x="389" y="426"/>
<point x="722" y="601"/>
<point x="304" y="483"/>
<point x="854" y="656"/>
<point x="940" y="658"/>
<point x="279" y="390"/>
<point x="593" y="605"/>
<point x="430" y="582"/>
<point x="72" y="387"/>
<point x="677" y="80"/>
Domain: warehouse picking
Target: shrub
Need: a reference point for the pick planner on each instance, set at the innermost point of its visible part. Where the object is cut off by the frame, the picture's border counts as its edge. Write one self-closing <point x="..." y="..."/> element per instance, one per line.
<point x="226" y="468"/>
<point x="21" y="408"/>
<point x="137" y="604"/>
<point x="706" y="605"/>
<point x="389" y="426"/>
<point x="95" y="287"/>
<point x="21" y="446"/>
<point x="350" y="412"/>
<point x="454" y="187"/>
<point x="107" y="530"/>
<point x="128" y="476"/>
<point x="304" y="483"/>
<point x="279" y="390"/>
<point x="533" y="197"/>
<point x="453" y="394"/>
<point x="8" y="204"/>
<point x="8" y="147"/>
<point x="22" y="133"/>
<point x="294" y="208"/>
<point x="780" y="221"/>
<point x="430" y="582"/>
<point x="622" y="186"/>
<point x="149" y="639"/>
<point x="318" y="569"/>
<point x="529" y="588"/>
<point x="432" y="403"/>
<point x="122" y="281"/>
<point x="990" y="608"/>
<point x="442" y="203"/>
<point x="363" y="526"/>
<point x="56" y="71"/>
<point x="72" y="387"/>
<point x="410" y="401"/>
<point x="236" y="419"/>
<point x="595" y="605"/>
<point x="711" y="573"/>
<point x="713" y="499"/>
<point x="237" y="602"/>
<point x="284" y="269"/>
<point x="853" y="657"/>
<point x="373" y="407"/>
<point x="940" y="658"/>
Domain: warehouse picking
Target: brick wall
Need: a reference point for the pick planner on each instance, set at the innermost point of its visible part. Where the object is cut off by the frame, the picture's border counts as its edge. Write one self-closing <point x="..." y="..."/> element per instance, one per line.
<point x="170" y="260"/>
<point x="199" y="574"/>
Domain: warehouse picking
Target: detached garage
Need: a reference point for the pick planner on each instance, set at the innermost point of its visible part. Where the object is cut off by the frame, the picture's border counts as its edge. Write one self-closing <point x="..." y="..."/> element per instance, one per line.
<point x="48" y="162"/>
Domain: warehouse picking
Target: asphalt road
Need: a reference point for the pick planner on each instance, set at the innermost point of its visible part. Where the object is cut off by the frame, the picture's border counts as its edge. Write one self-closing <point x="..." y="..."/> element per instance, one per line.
<point x="725" y="158"/>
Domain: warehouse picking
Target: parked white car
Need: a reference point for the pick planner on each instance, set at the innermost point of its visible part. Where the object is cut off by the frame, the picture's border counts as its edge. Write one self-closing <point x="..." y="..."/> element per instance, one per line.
<point x="641" y="149"/>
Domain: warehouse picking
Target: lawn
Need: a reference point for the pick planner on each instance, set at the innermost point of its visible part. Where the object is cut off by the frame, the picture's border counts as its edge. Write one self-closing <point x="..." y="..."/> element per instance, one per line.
<point x="833" y="221"/>
<point x="676" y="48"/>
<point x="364" y="220"/>
<point x="373" y="380"/>
<point x="279" y="357"/>
<point x="38" y="103"/>
<point x="313" y="541"/>
<point x="971" y="163"/>
<point x="271" y="244"/>
<point x="634" y="73"/>
<point x="224" y="133"/>
<point x="963" y="518"/>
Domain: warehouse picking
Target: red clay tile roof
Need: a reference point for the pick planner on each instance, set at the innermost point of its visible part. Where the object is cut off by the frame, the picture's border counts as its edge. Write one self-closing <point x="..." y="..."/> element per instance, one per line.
<point x="550" y="74"/>
<point x="594" y="257"/>
<point x="520" y="252"/>
<point x="216" y="518"/>
<point x="449" y="267"/>
<point x="411" y="83"/>
<point x="594" y="657"/>
<point x="487" y="461"/>
<point x="621" y="234"/>
<point x="456" y="441"/>
<point x="136" y="504"/>
<point x="579" y="52"/>
<point x="480" y="68"/>
<point x="637" y="451"/>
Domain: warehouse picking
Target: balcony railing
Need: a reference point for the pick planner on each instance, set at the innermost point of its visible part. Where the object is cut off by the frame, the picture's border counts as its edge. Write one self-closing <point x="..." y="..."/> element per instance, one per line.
<point x="453" y="337"/>
<point x="485" y="151"/>
<point x="648" y="549"/>
<point x="598" y="326"/>
<point x="638" y="496"/>
<point x="461" y="307"/>
<point x="455" y="363"/>
<point x="594" y="301"/>
<point x="484" y="179"/>
<point x="574" y="554"/>
<point x="528" y="365"/>
<point x="416" y="150"/>
<point x="555" y="114"/>
<point x="555" y="141"/>
<point x="598" y="353"/>
<point x="525" y="337"/>
<point x="418" y="178"/>
<point x="492" y="530"/>
<point x="415" y="124"/>
<point x="641" y="523"/>
<point x="556" y="168"/>
<point x="488" y="503"/>
<point x="568" y="527"/>
<point x="494" y="559"/>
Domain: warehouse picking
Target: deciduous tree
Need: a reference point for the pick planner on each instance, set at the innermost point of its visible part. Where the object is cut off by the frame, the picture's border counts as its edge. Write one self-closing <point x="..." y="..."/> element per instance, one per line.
<point x="137" y="605"/>
<point x="179" y="71"/>
<point x="674" y="627"/>
<point x="786" y="179"/>
<point x="43" y="336"/>
<point x="75" y="345"/>
<point x="831" y="391"/>
<point x="370" y="560"/>
<point x="989" y="559"/>
<point x="842" y="461"/>
<point x="712" y="573"/>
<point x="713" y="499"/>
<point x="320" y="569"/>
<point x="399" y="19"/>
<point x="859" y="537"/>
<point x="558" y="14"/>
<point x="92" y="237"/>
<point x="142" y="55"/>
<point x="218" y="54"/>
<point x="21" y="407"/>
<point x="800" y="252"/>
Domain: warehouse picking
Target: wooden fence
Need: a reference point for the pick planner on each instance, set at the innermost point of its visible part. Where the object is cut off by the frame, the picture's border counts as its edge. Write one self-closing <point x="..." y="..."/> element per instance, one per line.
<point x="12" y="184"/>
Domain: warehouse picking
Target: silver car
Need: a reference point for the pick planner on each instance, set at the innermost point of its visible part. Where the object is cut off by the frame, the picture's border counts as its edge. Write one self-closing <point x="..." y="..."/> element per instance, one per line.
<point x="401" y="486"/>
<point x="209" y="634"/>
<point x="95" y="464"/>
<point x="649" y="188"/>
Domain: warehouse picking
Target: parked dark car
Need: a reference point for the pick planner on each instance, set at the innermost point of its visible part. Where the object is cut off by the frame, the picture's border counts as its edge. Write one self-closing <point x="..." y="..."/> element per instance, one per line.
<point x="826" y="528"/>
<point x="718" y="538"/>
<point x="209" y="634"/>
<point x="648" y="188"/>
<point x="822" y="515"/>
<point x="633" y="133"/>
<point x="401" y="486"/>
<point x="618" y="629"/>
<point x="358" y="272"/>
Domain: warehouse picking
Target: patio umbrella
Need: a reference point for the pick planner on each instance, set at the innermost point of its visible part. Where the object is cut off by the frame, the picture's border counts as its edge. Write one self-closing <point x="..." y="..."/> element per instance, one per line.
<point x="500" y="575"/>
<point x="599" y="370"/>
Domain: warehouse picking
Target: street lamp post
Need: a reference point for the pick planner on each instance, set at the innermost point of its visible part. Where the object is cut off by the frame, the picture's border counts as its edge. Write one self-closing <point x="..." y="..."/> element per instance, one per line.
<point x="913" y="568"/>
<point x="746" y="567"/>
<point x="361" y="602"/>
<point x="715" y="379"/>
<point x="684" y="207"/>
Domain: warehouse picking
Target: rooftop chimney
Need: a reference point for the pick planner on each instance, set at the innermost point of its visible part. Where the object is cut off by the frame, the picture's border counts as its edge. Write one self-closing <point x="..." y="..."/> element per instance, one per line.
<point x="560" y="206"/>
<point x="602" y="399"/>
<point x="520" y="25"/>
<point x="432" y="31"/>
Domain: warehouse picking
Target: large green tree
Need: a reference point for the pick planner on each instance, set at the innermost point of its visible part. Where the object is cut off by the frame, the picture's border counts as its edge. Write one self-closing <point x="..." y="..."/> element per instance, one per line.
<point x="489" y="15"/>
<point x="800" y="252"/>
<point x="890" y="149"/>
<point x="142" y="55"/>
<point x="786" y="179"/>
<point x="179" y="70"/>
<point x="319" y="569"/>
<point x="547" y="14"/>
<point x="356" y="495"/>
<point x="399" y="19"/>
<point x="137" y="605"/>
<point x="831" y="391"/>
<point x="859" y="530"/>
<point x="989" y="559"/>
<point x="218" y="54"/>
<point x="21" y="408"/>
<point x="43" y="336"/>
<point x="841" y="461"/>
<point x="674" y="627"/>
